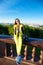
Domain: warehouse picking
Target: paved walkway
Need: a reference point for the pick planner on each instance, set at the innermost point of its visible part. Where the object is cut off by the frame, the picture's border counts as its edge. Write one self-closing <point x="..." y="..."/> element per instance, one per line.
<point x="11" y="61"/>
<point x="4" y="61"/>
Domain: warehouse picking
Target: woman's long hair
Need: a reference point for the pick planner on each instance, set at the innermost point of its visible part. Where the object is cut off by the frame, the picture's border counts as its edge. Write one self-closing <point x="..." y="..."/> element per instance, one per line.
<point x="18" y="21"/>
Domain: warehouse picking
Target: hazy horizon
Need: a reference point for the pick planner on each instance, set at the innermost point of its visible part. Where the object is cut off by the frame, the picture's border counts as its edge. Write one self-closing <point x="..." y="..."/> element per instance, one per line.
<point x="21" y="22"/>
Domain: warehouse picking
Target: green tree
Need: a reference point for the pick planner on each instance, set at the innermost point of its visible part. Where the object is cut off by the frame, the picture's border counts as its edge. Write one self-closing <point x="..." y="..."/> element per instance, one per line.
<point x="11" y="30"/>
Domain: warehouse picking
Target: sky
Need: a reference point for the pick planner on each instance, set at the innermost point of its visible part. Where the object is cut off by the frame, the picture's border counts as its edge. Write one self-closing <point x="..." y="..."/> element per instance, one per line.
<point x="28" y="11"/>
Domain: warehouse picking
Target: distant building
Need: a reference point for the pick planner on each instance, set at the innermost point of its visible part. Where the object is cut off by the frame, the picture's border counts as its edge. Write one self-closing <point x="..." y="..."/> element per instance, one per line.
<point x="34" y="25"/>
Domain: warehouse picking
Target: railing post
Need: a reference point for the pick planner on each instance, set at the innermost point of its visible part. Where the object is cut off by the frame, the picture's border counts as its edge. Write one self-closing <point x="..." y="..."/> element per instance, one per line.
<point x="11" y="50"/>
<point x="41" y="57"/>
<point x="33" y="54"/>
<point x="25" y="52"/>
<point x="5" y="50"/>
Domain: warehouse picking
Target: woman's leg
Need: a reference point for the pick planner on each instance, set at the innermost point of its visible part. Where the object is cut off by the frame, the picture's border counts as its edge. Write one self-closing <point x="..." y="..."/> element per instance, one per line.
<point x="17" y="43"/>
<point x="19" y="57"/>
<point x="20" y="45"/>
<point x="18" y="48"/>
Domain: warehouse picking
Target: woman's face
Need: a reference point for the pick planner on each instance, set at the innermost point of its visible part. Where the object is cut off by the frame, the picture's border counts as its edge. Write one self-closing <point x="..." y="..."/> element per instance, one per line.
<point x="17" y="22"/>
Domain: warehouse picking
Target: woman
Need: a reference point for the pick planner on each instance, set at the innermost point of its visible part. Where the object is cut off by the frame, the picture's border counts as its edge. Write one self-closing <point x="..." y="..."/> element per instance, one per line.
<point x="18" y="36"/>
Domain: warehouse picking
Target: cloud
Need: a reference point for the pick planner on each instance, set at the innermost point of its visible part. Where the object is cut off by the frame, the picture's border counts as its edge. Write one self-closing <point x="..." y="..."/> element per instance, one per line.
<point x="7" y="20"/>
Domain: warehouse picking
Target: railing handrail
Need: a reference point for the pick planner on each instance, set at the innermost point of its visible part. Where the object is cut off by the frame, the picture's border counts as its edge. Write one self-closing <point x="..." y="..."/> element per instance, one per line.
<point x="38" y="43"/>
<point x="35" y="44"/>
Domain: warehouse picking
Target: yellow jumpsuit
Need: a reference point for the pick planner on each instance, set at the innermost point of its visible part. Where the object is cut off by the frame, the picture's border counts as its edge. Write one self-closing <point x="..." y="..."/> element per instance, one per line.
<point x="18" y="39"/>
